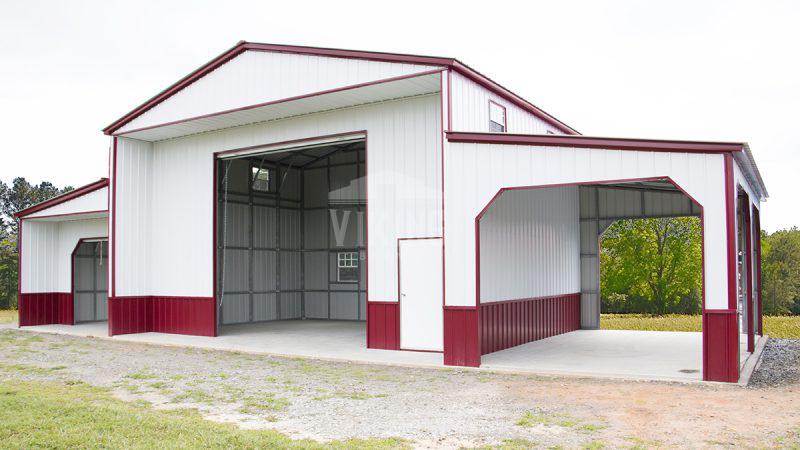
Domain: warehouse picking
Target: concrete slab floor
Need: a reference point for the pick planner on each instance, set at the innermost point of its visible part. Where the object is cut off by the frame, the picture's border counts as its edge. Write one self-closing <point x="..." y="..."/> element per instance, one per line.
<point x="646" y="355"/>
<point x="662" y="355"/>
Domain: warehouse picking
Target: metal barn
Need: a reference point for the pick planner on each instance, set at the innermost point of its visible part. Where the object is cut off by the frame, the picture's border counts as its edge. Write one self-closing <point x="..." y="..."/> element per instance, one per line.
<point x="409" y="198"/>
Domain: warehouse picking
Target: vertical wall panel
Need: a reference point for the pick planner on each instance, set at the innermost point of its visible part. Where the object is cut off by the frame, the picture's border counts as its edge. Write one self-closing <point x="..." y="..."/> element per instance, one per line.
<point x="530" y="245"/>
<point x="403" y="149"/>
<point x="508" y="324"/>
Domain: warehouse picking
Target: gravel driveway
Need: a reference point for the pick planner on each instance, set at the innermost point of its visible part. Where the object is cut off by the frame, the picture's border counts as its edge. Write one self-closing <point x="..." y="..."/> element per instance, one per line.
<point x="431" y="407"/>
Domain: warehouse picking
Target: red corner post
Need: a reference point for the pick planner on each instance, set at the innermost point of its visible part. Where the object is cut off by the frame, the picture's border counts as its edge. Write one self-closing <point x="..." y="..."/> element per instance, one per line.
<point x="721" y="326"/>
<point x="759" y="306"/>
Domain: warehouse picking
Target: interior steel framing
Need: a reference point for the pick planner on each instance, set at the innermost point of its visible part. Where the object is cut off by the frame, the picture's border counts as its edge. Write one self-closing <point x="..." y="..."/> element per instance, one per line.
<point x="281" y="201"/>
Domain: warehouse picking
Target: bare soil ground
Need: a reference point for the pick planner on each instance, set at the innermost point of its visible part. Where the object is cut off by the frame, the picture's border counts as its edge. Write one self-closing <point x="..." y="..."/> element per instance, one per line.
<point x="444" y="408"/>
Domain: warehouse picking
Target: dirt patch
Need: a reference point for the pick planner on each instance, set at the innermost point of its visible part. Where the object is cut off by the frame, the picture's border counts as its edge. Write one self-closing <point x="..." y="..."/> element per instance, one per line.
<point x="431" y="407"/>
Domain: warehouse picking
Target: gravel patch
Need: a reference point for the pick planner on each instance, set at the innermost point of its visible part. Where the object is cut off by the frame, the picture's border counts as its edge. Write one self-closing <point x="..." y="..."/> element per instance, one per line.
<point x="432" y="408"/>
<point x="780" y="364"/>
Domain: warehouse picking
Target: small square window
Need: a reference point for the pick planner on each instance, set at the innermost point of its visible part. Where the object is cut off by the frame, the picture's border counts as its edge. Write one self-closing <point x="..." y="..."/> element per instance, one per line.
<point x="347" y="267"/>
<point x="497" y="118"/>
<point x="261" y="179"/>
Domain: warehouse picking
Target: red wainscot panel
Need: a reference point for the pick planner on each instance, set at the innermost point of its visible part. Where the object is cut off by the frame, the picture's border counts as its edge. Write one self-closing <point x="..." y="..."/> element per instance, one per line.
<point x="383" y="325"/>
<point x="461" y="336"/>
<point x="176" y="315"/>
<point x="510" y="323"/>
<point x="46" y="308"/>
<point x="721" y="345"/>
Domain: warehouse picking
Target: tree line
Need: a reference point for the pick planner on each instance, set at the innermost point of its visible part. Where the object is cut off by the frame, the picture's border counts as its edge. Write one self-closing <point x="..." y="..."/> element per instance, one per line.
<point x="647" y="265"/>
<point x="653" y="266"/>
<point x="20" y="195"/>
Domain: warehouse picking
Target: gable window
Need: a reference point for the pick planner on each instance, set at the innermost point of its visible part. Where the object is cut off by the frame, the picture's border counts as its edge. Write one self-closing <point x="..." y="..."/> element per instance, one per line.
<point x="261" y="179"/>
<point x="497" y="118"/>
<point x="347" y="267"/>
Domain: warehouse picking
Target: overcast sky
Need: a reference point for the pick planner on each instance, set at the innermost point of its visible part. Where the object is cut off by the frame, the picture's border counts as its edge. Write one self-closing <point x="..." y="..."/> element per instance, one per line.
<point x="726" y="70"/>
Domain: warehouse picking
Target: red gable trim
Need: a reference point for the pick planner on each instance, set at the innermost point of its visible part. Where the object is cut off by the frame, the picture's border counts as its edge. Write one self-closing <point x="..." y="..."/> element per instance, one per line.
<point x="243" y="46"/>
<point x="83" y="190"/>
<point x="554" y="140"/>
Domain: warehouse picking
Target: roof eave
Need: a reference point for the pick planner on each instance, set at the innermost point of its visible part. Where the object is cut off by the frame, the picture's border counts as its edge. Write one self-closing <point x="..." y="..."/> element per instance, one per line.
<point x="63" y="198"/>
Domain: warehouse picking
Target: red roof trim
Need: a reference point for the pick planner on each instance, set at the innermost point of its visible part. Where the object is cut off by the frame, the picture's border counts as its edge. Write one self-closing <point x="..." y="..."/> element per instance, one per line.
<point x="554" y="140"/>
<point x="243" y="46"/>
<point x="63" y="198"/>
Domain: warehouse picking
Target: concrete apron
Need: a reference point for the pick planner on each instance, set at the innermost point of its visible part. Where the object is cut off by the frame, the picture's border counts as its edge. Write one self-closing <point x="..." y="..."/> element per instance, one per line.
<point x="358" y="353"/>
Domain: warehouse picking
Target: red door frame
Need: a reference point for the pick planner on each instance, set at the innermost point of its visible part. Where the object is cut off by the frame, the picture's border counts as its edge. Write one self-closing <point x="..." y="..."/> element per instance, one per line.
<point x="744" y="207"/>
<point x="759" y="306"/>
<point x="217" y="156"/>
<point x="72" y="268"/>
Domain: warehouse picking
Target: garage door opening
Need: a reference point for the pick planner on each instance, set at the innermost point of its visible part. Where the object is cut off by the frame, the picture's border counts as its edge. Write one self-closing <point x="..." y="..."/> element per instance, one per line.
<point x="89" y="281"/>
<point x="291" y="239"/>
<point x="539" y="281"/>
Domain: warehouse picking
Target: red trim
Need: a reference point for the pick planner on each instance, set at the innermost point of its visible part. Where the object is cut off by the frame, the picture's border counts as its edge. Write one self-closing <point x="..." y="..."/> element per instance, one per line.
<point x="224" y="153"/>
<point x="72" y="272"/>
<point x="556" y="140"/>
<point x="461" y="336"/>
<point x="19" y="270"/>
<point x="45" y="308"/>
<point x="509" y="323"/>
<point x="217" y="155"/>
<point x="449" y="63"/>
<point x="757" y="230"/>
<point x="449" y="100"/>
<point x="284" y="100"/>
<point x="215" y="175"/>
<point x="748" y="267"/>
<point x="505" y="114"/>
<point x="83" y="190"/>
<point x="83" y="213"/>
<point x="383" y="325"/>
<point x="162" y="314"/>
<point x="720" y="345"/>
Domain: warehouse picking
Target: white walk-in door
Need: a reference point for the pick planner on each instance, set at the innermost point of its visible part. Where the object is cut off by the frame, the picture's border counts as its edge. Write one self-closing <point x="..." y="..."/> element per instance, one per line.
<point x="421" y="294"/>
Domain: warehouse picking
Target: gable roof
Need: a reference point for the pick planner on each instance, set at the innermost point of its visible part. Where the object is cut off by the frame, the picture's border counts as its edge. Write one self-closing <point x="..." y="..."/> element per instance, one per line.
<point x="63" y="198"/>
<point x="243" y="46"/>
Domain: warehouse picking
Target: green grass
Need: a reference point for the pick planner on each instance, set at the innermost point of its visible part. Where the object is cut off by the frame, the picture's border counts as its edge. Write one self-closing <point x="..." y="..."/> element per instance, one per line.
<point x="55" y="415"/>
<point x="8" y="315"/>
<point x="784" y="327"/>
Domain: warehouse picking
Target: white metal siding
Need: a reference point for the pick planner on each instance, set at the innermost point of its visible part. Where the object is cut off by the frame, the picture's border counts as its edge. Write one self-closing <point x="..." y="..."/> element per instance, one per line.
<point x="530" y="245"/>
<point x="47" y="250"/>
<point x="404" y="193"/>
<point x="470" y="104"/>
<point x="256" y="77"/>
<point x="133" y="217"/>
<point x="475" y="172"/>
<point x="93" y="201"/>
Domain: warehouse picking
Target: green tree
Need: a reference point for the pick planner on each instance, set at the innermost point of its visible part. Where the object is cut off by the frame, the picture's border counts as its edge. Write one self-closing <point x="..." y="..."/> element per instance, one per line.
<point x="652" y="266"/>
<point x="20" y="195"/>
<point x="780" y="272"/>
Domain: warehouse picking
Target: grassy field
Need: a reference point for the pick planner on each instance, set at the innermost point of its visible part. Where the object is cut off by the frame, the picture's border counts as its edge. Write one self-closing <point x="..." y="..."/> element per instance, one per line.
<point x="785" y="327"/>
<point x="8" y="315"/>
<point x="58" y="415"/>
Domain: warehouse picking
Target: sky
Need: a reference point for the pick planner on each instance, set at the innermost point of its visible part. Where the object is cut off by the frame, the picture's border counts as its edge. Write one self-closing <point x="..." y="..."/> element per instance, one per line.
<point x="713" y="70"/>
